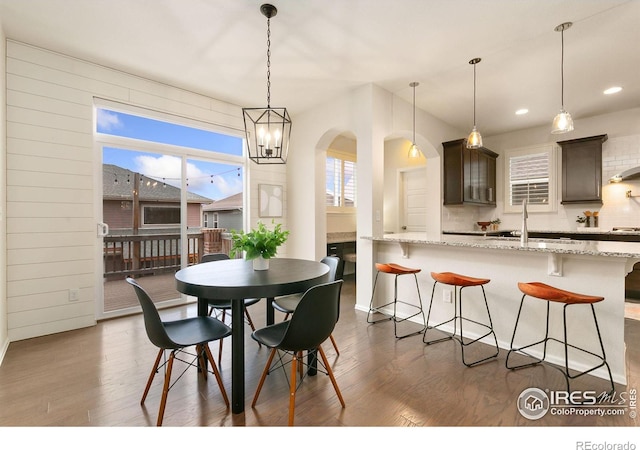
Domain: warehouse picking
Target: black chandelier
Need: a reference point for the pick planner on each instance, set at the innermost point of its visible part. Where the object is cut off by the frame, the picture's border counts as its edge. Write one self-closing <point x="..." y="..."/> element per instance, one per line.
<point x="268" y="130"/>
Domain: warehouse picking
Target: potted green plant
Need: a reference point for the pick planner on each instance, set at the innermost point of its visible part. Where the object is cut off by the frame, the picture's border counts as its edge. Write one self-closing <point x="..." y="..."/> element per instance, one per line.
<point x="260" y="244"/>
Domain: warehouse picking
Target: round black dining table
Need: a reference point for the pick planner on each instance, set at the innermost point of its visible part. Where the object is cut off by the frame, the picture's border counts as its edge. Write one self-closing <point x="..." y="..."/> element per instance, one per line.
<point x="235" y="279"/>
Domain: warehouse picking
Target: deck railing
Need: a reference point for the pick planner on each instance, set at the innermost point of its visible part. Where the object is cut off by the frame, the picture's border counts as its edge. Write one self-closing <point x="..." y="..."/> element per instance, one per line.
<point x="130" y="255"/>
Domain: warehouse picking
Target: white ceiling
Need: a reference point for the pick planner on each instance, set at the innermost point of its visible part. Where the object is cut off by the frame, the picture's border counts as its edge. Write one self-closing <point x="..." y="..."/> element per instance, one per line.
<point x="322" y="48"/>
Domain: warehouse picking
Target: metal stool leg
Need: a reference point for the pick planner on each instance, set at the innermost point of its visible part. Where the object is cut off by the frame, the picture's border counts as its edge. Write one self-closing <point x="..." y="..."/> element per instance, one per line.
<point x="459" y="317"/>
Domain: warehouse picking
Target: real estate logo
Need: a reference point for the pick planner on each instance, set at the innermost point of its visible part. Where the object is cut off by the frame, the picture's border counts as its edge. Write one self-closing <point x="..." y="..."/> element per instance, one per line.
<point x="533" y="403"/>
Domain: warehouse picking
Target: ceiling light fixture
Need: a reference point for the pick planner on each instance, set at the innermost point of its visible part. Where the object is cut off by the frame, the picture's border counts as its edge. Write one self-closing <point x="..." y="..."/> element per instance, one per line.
<point x="414" y="151"/>
<point x="267" y="129"/>
<point x="522" y="111"/>
<point x="563" y="122"/>
<point x="612" y="90"/>
<point x="475" y="139"/>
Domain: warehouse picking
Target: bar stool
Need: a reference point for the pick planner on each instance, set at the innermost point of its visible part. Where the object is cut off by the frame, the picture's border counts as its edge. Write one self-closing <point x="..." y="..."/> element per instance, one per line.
<point x="460" y="282"/>
<point x="551" y="294"/>
<point x="396" y="270"/>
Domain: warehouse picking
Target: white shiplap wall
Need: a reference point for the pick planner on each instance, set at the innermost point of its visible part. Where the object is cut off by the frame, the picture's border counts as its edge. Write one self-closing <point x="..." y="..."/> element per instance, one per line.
<point x="51" y="160"/>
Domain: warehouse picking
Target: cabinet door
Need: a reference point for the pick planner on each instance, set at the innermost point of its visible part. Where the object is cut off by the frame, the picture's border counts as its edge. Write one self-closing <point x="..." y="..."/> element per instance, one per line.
<point x="472" y="176"/>
<point x="453" y="172"/>
<point x="582" y="170"/>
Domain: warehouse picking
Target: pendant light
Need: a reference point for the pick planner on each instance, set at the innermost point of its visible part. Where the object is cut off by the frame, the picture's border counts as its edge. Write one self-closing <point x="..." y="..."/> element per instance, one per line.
<point x="475" y="138"/>
<point x="267" y="129"/>
<point x="563" y="122"/>
<point x="414" y="151"/>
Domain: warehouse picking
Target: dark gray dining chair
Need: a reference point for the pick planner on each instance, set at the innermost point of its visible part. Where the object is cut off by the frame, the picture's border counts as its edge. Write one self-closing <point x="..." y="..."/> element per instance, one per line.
<point x="311" y="324"/>
<point x="225" y="305"/>
<point x="287" y="304"/>
<point x="175" y="336"/>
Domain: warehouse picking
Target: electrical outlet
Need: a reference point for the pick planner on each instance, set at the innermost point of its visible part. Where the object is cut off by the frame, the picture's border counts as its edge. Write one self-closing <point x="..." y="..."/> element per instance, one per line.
<point x="446" y="296"/>
<point x="74" y="295"/>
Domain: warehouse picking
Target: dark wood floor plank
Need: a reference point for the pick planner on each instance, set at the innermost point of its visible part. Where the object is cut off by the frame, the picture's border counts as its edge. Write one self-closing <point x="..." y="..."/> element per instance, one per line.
<point x="95" y="377"/>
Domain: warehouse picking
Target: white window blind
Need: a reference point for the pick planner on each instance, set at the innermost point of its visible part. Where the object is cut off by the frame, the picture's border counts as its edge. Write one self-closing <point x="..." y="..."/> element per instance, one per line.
<point x="530" y="173"/>
<point x="529" y="179"/>
<point x="341" y="185"/>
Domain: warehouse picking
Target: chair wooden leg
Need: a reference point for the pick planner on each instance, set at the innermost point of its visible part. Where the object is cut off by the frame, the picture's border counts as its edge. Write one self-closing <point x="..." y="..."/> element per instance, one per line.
<point x="330" y="373"/>
<point x="165" y="389"/>
<point x="333" y="341"/>
<point x="292" y="387"/>
<point x="216" y="372"/>
<point x="151" y="376"/>
<point x="265" y="372"/>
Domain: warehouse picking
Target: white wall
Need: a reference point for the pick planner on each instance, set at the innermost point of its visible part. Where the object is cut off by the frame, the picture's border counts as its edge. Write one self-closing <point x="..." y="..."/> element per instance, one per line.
<point x="4" y="333"/>
<point x="51" y="181"/>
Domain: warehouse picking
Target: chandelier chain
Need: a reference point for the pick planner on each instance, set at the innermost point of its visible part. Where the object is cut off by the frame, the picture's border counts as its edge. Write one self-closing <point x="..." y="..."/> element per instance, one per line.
<point x="268" y="62"/>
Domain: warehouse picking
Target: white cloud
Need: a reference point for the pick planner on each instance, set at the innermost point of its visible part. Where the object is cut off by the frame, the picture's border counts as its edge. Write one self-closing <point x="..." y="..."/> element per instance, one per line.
<point x="108" y="121"/>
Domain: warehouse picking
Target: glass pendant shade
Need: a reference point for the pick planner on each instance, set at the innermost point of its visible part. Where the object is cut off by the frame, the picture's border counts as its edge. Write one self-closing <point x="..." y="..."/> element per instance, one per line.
<point x="414" y="151"/>
<point x="475" y="139"/>
<point x="562" y="123"/>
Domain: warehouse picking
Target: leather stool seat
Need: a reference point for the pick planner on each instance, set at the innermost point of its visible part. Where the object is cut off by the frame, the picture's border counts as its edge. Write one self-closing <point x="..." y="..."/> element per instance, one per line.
<point x="460" y="282"/>
<point x="455" y="279"/>
<point x="396" y="270"/>
<point x="550" y="294"/>
<point x="553" y="294"/>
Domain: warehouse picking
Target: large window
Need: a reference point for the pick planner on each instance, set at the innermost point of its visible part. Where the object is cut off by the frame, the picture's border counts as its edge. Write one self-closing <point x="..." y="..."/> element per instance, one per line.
<point x="531" y="176"/>
<point x="341" y="181"/>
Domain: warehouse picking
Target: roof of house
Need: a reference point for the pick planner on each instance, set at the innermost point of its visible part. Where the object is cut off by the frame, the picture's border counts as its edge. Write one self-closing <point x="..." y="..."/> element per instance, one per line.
<point x="233" y="202"/>
<point x="117" y="184"/>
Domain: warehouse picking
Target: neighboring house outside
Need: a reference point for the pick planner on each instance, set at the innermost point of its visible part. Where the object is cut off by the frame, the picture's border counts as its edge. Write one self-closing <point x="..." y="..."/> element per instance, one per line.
<point x="159" y="204"/>
<point x="224" y="213"/>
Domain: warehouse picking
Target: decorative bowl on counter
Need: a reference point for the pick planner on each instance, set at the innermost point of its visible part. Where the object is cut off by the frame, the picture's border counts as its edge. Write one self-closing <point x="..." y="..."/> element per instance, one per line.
<point x="484" y="225"/>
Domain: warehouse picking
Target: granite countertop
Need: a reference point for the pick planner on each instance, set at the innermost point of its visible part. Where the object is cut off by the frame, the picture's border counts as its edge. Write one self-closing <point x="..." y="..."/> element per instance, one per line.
<point x="585" y="230"/>
<point x="575" y="247"/>
<point x="342" y="236"/>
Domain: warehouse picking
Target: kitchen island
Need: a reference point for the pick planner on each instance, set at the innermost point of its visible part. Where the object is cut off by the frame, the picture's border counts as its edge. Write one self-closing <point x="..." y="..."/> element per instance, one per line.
<point x="589" y="267"/>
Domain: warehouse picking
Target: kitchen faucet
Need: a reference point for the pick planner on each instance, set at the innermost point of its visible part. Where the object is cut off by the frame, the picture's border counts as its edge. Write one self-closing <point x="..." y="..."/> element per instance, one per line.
<point x="524" y="235"/>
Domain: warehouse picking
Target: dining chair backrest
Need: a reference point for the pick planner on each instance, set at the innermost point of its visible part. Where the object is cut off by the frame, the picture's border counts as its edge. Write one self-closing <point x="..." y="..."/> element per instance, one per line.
<point x="336" y="267"/>
<point x="152" y="321"/>
<point x="314" y="318"/>
<point x="214" y="257"/>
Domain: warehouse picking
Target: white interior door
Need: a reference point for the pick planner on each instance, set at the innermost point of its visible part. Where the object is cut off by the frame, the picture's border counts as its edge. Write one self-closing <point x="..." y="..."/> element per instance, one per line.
<point x="414" y="200"/>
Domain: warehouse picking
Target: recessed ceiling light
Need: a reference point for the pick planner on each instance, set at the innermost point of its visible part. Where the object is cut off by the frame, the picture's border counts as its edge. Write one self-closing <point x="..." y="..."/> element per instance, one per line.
<point x="612" y="90"/>
<point x="522" y="111"/>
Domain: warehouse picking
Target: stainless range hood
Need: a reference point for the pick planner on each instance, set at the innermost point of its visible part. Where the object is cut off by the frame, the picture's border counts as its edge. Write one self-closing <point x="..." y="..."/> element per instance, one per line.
<point x="628" y="174"/>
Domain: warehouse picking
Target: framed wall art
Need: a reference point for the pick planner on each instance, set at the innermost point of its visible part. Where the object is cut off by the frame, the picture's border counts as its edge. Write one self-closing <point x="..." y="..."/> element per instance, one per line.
<point x="270" y="197"/>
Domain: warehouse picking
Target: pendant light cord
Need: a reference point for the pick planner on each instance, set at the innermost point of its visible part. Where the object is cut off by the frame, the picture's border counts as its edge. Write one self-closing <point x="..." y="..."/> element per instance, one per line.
<point x="474" y="94"/>
<point x="562" y="69"/>
<point x="414" y="113"/>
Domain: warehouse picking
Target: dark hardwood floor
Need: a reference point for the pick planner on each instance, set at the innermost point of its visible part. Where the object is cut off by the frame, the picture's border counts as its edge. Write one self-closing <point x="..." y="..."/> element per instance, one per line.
<point x="95" y="376"/>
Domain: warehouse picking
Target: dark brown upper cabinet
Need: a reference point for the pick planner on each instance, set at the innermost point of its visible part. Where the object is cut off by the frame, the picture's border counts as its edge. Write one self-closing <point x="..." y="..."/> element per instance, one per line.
<point x="469" y="174"/>
<point x="582" y="170"/>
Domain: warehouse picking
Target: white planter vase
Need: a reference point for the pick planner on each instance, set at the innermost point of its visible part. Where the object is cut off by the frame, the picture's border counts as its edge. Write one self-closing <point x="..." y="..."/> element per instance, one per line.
<point x="260" y="263"/>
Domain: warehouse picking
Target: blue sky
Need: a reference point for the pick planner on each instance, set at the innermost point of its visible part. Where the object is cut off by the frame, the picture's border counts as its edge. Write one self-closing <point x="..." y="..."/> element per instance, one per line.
<point x="212" y="180"/>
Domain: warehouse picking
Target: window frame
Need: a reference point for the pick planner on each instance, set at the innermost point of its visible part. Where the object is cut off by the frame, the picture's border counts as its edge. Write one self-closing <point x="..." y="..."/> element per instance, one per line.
<point x="551" y="150"/>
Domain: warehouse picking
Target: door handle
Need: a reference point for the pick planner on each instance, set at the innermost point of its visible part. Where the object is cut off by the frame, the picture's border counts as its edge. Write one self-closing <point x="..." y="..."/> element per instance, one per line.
<point x="103" y="229"/>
